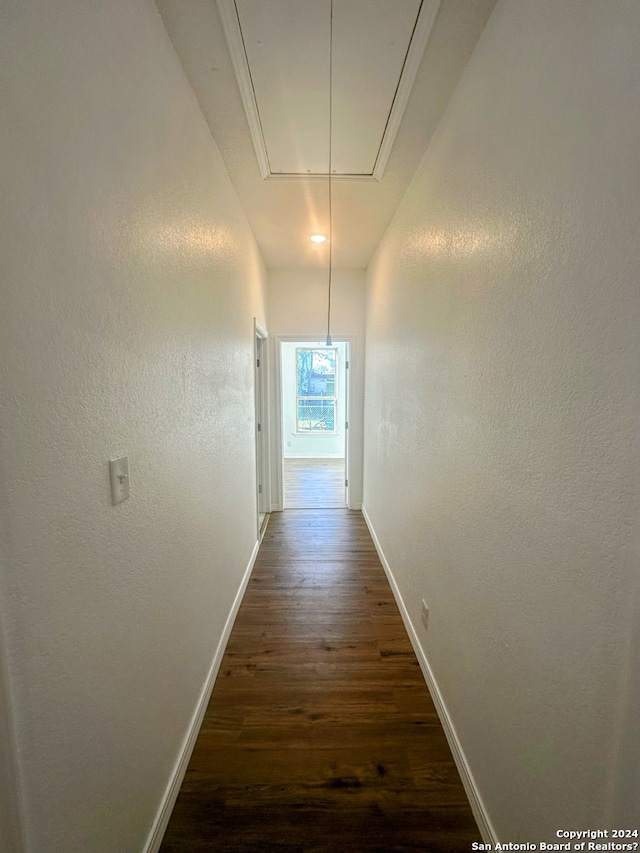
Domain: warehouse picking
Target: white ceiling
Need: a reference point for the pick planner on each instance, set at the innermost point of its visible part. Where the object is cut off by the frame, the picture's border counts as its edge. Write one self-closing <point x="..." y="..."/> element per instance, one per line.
<point x="264" y="91"/>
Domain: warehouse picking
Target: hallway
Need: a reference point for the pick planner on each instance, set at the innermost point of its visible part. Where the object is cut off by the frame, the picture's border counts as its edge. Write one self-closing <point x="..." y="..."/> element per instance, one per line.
<point x="320" y="734"/>
<point x="480" y="270"/>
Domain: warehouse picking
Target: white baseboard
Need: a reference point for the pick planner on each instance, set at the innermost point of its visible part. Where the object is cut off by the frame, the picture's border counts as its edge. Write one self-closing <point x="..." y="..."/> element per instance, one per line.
<point x="475" y="800"/>
<point x="173" y="788"/>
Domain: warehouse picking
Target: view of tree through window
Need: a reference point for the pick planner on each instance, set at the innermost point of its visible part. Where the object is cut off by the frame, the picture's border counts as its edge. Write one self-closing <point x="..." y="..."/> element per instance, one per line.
<point x="316" y="390"/>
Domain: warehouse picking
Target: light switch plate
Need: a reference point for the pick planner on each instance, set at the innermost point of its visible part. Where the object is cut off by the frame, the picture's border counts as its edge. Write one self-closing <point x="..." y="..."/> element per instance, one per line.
<point x="119" y="473"/>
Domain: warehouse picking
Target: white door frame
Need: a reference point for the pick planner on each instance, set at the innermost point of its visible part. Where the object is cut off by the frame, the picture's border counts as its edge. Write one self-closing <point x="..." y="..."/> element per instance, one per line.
<point x="277" y="449"/>
<point x="261" y="389"/>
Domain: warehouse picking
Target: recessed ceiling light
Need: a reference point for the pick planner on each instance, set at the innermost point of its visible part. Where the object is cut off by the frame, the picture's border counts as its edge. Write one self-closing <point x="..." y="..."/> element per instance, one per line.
<point x="318" y="238"/>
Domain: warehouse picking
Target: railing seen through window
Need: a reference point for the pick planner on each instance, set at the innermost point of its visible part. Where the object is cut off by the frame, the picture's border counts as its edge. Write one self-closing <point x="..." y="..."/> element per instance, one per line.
<point x="316" y="380"/>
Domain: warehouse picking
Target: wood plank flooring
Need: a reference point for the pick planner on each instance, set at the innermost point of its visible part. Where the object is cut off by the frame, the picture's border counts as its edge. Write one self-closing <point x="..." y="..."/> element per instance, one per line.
<point x="314" y="483"/>
<point x="320" y="735"/>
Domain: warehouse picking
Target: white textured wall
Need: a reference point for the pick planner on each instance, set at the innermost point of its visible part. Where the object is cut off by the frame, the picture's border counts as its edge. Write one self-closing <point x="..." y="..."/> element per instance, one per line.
<point x="501" y="443"/>
<point x="129" y="285"/>
<point x="297" y="305"/>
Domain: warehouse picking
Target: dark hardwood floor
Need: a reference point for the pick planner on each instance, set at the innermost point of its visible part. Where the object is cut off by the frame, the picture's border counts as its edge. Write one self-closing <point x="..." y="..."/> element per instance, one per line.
<point x="320" y="734"/>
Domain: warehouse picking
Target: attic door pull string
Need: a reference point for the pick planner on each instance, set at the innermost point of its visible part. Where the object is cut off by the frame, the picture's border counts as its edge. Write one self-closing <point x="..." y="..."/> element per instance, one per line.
<point x="330" y="164"/>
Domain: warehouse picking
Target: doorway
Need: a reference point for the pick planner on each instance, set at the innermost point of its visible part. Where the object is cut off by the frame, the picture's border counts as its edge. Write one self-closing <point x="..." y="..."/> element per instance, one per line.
<point x="314" y="383"/>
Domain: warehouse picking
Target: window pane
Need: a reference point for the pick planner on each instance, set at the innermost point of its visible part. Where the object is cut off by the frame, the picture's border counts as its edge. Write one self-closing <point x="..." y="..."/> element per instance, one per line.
<point x="316" y="415"/>
<point x="316" y="372"/>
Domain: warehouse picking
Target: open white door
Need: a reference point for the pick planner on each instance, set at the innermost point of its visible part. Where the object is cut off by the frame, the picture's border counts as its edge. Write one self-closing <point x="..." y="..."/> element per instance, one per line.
<point x="347" y="397"/>
<point x="262" y="446"/>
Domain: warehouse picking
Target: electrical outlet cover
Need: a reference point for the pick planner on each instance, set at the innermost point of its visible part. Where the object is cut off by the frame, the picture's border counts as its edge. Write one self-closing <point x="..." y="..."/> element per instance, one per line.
<point x="119" y="475"/>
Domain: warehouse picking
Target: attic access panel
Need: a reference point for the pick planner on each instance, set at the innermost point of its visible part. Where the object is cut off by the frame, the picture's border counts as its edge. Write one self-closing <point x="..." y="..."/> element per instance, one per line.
<point x="280" y="52"/>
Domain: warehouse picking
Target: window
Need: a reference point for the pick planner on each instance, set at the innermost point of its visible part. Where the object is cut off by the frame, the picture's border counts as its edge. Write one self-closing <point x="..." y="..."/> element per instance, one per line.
<point x="316" y="389"/>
